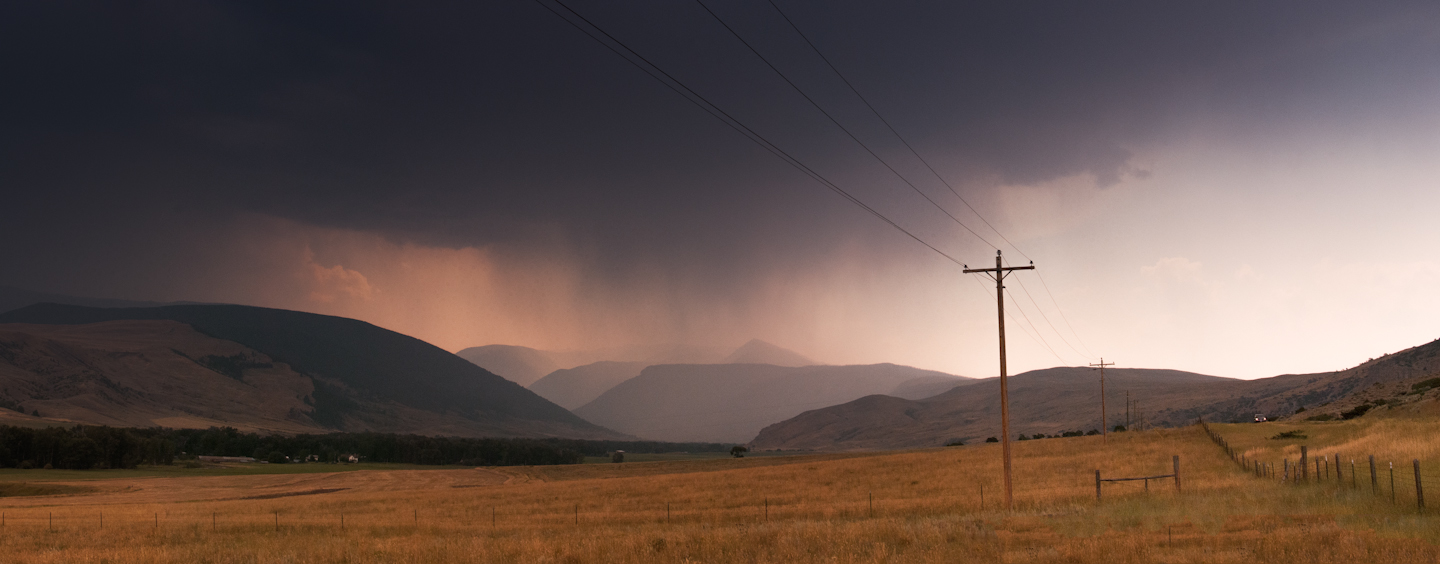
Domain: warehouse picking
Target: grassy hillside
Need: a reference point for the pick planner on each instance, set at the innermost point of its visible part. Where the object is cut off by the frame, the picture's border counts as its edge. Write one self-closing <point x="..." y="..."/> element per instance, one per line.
<point x="918" y="506"/>
<point x="1060" y="399"/>
<point x="360" y="373"/>
<point x="1042" y="401"/>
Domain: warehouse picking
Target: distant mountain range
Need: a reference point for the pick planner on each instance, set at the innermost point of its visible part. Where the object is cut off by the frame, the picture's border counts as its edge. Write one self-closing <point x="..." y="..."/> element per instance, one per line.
<point x="761" y="352"/>
<point x="571" y="388"/>
<point x="732" y="402"/>
<point x="521" y="365"/>
<point x="1067" y="399"/>
<point x="261" y="368"/>
<point x="525" y="365"/>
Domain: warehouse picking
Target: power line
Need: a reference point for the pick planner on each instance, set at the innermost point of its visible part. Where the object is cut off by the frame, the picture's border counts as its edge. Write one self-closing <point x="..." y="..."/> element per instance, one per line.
<point x="728" y="119"/>
<point x="1037" y="329"/>
<point x="1028" y="330"/>
<point x="890" y="127"/>
<point x="1041" y="311"/>
<point x="1062" y="314"/>
<point x="937" y="174"/>
<point x="679" y="87"/>
<point x="839" y="125"/>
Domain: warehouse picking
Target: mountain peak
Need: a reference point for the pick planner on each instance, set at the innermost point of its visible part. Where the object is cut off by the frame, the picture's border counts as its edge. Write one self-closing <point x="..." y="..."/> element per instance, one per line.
<point x="761" y="352"/>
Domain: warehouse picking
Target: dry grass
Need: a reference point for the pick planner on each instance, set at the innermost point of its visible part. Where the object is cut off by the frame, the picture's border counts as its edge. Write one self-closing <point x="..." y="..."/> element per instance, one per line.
<point x="927" y="508"/>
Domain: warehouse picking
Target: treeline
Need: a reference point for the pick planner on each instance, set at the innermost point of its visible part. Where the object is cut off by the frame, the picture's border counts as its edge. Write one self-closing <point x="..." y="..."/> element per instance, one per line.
<point x="602" y="448"/>
<point x="89" y="447"/>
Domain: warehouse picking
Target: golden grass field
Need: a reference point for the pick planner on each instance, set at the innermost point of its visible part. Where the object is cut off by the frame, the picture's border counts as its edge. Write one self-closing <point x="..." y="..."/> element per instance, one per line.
<point x="927" y="508"/>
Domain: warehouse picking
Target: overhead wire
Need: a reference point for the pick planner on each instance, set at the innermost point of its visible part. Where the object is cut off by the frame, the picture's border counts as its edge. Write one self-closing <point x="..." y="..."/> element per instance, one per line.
<point x="728" y="119"/>
<point x="1041" y="311"/>
<point x="892" y="129"/>
<point x="839" y="125"/>
<point x="1037" y="329"/>
<point x="936" y="173"/>
<point x="1062" y="314"/>
<point x="1023" y="328"/>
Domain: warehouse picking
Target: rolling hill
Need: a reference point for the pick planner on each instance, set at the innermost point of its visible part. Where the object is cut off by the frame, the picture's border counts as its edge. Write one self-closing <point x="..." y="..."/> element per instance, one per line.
<point x="525" y="366"/>
<point x="12" y="298"/>
<point x="1041" y="401"/>
<point x="761" y="352"/>
<point x="521" y="365"/>
<point x="571" y="388"/>
<point x="1058" y="399"/>
<point x="731" y="402"/>
<point x="333" y="373"/>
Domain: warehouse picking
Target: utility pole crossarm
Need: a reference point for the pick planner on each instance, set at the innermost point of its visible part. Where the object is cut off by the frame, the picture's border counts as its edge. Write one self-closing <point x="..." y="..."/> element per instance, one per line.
<point x="999" y="269"/>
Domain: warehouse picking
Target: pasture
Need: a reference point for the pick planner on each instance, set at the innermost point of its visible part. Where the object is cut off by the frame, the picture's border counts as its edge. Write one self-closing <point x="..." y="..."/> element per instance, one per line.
<point x="939" y="505"/>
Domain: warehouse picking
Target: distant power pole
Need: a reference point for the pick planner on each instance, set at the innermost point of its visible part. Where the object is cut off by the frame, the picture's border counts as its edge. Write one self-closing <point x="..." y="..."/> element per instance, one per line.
<point x="1127" y="409"/>
<point x="998" y="274"/>
<point x="1104" y="434"/>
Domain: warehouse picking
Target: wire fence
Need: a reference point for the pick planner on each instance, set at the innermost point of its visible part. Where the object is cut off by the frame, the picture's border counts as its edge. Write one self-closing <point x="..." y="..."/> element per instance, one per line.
<point x="1401" y="481"/>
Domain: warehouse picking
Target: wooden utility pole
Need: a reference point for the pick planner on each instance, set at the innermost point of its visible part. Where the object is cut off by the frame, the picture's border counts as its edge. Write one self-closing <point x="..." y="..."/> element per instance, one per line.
<point x="1127" y="408"/>
<point x="998" y="274"/>
<point x="1104" y="434"/>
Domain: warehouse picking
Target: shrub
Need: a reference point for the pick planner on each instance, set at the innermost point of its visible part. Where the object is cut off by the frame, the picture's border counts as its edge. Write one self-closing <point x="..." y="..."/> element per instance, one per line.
<point x="992" y="440"/>
<point x="1321" y="417"/>
<point x="1426" y="384"/>
<point x="1118" y="429"/>
<point x="738" y="451"/>
<point x="1092" y="432"/>
<point x="955" y="442"/>
<point x="1358" y="411"/>
<point x="1296" y="434"/>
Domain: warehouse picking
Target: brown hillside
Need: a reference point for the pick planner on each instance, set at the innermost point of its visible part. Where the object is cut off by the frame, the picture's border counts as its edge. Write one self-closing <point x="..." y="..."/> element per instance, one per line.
<point x="1058" y="399"/>
<point x="1041" y="401"/>
<point x="144" y="373"/>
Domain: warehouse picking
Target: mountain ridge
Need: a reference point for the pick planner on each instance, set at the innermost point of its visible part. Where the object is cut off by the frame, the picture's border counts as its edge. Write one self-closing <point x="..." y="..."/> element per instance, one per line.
<point x="355" y="365"/>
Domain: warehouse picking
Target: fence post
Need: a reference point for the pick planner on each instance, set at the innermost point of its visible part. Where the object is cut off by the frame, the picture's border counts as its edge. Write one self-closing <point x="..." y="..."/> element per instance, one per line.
<point x="1338" y="478"/>
<point x="1392" y="482"/>
<point x="1175" y="460"/>
<point x="1287" y="470"/>
<point x="1419" y="491"/>
<point x="1354" y="484"/>
<point x="1374" y="480"/>
<point x="1304" y="464"/>
<point x="1097" y="485"/>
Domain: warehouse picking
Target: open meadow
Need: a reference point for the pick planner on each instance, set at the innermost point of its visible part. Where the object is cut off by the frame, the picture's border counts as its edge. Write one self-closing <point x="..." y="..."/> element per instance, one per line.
<point x="913" y="506"/>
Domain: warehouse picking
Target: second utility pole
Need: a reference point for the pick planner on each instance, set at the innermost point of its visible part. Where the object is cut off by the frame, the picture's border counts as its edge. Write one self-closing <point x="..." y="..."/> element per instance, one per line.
<point x="998" y="274"/>
<point x="1103" y="433"/>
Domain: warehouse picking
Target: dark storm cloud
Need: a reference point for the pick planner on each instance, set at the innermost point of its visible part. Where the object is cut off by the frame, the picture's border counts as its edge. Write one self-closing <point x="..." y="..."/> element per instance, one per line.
<point x="460" y="124"/>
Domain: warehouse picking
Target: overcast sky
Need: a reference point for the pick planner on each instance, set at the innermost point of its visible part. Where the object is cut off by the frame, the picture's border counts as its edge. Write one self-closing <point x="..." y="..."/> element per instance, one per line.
<point x="1241" y="189"/>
